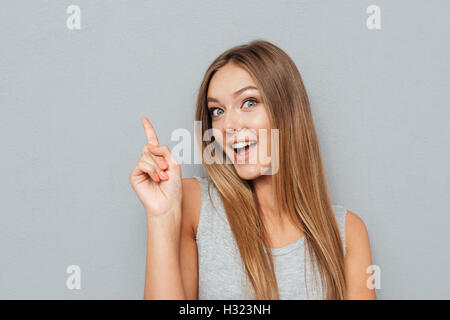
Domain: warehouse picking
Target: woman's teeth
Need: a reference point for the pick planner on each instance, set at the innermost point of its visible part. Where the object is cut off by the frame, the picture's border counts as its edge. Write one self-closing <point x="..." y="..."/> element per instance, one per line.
<point x="242" y="146"/>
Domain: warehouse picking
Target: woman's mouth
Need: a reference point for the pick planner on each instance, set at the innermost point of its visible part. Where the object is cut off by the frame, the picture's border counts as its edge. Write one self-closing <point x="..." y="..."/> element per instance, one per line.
<point x="242" y="150"/>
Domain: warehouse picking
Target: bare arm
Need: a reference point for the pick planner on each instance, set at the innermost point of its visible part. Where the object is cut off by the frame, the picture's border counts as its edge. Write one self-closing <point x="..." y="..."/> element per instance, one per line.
<point x="188" y="244"/>
<point x="163" y="272"/>
<point x="172" y="269"/>
<point x="156" y="179"/>
<point x="357" y="259"/>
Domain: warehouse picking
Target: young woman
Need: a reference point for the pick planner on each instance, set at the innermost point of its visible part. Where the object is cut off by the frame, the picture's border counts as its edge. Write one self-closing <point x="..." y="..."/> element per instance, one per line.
<point x="247" y="232"/>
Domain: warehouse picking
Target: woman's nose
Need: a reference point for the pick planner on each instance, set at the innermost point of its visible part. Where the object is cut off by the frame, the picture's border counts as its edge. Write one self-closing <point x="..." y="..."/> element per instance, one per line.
<point x="233" y="121"/>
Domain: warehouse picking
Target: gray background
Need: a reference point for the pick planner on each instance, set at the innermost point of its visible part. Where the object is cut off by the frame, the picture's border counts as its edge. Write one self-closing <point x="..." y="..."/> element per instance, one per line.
<point x="70" y="130"/>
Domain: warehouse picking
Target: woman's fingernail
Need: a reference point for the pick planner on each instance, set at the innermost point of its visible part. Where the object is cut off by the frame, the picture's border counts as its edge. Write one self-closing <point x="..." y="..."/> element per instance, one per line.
<point x="163" y="175"/>
<point x="163" y="164"/>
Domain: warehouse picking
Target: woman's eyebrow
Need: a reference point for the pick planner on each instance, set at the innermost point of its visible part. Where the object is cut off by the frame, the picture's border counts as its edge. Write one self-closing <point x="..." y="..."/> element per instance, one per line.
<point x="211" y="99"/>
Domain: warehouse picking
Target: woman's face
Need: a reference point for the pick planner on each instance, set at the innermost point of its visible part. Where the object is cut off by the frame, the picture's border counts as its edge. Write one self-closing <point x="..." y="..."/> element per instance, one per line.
<point x="239" y="115"/>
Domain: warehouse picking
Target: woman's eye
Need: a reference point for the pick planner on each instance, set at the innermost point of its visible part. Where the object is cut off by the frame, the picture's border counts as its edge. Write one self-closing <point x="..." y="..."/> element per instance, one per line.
<point x="211" y="111"/>
<point x="253" y="101"/>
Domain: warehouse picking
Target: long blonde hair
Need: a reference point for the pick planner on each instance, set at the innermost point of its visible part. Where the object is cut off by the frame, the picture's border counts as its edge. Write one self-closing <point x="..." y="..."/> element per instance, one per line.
<point x="299" y="185"/>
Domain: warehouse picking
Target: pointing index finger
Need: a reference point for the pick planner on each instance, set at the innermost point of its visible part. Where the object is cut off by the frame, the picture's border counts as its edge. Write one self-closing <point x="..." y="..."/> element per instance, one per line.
<point x="149" y="131"/>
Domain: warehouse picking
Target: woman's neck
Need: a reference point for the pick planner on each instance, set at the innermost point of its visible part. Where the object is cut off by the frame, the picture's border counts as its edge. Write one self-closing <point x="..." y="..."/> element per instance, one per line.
<point x="264" y="193"/>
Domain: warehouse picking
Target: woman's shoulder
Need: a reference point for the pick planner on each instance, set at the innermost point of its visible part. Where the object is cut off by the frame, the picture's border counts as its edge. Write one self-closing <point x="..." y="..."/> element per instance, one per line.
<point x="351" y="226"/>
<point x="355" y="230"/>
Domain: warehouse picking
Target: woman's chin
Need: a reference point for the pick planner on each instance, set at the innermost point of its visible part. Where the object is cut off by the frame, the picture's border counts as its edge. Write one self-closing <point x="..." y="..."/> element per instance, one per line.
<point x="248" y="171"/>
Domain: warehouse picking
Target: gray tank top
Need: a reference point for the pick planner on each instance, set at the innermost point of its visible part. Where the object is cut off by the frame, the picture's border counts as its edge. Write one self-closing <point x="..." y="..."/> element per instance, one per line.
<point x="221" y="271"/>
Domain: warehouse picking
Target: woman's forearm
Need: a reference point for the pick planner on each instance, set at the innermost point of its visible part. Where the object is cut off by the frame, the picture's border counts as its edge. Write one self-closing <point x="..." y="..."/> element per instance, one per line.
<point x="163" y="272"/>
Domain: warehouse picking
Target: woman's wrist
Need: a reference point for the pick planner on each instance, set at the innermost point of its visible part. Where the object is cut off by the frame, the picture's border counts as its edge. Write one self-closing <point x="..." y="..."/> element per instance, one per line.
<point x="167" y="220"/>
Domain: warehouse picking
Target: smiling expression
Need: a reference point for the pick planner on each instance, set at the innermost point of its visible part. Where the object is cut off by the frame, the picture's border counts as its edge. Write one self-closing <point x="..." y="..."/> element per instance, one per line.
<point x="238" y="113"/>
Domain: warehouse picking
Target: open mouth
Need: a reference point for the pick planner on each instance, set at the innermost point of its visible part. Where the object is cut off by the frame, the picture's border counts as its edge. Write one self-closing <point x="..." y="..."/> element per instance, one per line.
<point x="242" y="147"/>
<point x="242" y="150"/>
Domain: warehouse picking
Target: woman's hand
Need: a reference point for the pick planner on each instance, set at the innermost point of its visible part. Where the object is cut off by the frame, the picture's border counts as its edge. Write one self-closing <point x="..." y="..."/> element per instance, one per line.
<point x="156" y="178"/>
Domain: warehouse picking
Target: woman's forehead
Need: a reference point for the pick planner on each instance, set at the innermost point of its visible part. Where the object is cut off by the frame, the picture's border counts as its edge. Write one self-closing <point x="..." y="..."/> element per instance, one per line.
<point x="229" y="79"/>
